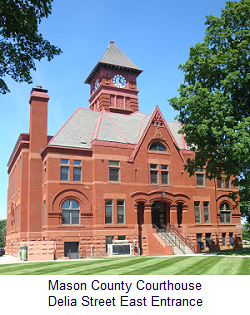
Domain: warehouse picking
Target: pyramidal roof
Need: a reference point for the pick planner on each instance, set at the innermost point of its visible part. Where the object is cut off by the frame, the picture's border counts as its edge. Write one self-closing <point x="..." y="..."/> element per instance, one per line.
<point x="114" y="58"/>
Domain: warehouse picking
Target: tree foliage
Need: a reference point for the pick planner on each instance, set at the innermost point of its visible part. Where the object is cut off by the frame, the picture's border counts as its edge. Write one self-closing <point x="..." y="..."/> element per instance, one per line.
<point x="246" y="231"/>
<point x="20" y="42"/>
<point x="214" y="100"/>
<point x="2" y="232"/>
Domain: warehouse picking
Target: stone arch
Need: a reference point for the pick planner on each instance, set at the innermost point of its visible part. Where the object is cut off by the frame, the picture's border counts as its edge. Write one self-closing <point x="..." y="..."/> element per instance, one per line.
<point x="81" y="198"/>
<point x="171" y="202"/>
<point x="161" y="141"/>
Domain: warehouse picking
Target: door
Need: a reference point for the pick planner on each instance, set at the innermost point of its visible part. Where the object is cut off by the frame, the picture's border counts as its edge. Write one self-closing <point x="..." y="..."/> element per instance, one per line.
<point x="158" y="211"/>
<point x="71" y="250"/>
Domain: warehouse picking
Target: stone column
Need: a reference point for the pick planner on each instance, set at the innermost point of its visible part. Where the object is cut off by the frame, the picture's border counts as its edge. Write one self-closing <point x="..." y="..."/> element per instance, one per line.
<point x="173" y="213"/>
<point x="184" y="213"/>
<point x="184" y="218"/>
<point x="147" y="213"/>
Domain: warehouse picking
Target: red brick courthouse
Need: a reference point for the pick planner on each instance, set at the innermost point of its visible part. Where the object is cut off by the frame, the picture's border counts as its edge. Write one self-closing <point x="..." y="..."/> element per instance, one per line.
<point x="111" y="174"/>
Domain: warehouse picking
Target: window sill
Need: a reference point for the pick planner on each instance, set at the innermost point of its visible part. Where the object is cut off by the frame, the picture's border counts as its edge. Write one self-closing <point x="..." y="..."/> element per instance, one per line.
<point x="203" y="224"/>
<point x="114" y="182"/>
<point x="226" y="224"/>
<point x="69" y="182"/>
<point x="71" y="226"/>
<point x="115" y="226"/>
<point x="159" y="152"/>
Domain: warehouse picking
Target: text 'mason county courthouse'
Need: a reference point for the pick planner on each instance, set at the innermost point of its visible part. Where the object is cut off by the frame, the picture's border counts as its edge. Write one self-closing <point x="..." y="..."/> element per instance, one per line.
<point x="112" y="173"/>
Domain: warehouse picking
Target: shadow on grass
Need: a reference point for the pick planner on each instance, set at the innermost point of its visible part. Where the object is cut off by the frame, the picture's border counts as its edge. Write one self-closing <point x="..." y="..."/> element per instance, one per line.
<point x="245" y="251"/>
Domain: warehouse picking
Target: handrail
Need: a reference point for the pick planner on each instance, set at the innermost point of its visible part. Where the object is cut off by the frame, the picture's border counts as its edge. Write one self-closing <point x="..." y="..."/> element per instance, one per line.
<point x="167" y="240"/>
<point x="173" y="239"/>
<point x="185" y="239"/>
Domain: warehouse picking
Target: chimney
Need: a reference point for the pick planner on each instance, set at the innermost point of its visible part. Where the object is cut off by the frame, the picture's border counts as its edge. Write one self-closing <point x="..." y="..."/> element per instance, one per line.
<point x="38" y="118"/>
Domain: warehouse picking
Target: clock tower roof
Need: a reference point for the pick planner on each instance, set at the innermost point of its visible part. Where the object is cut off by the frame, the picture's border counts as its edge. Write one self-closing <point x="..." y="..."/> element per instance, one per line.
<point x="114" y="58"/>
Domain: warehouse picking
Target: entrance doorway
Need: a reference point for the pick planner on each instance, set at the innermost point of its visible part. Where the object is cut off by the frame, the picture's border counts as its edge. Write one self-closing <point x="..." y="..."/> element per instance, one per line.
<point x="159" y="213"/>
<point x="179" y="214"/>
<point x="71" y="250"/>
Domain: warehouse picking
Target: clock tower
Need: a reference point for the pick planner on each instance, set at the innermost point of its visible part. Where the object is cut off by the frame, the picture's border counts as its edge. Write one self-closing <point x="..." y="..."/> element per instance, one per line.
<point x="113" y="83"/>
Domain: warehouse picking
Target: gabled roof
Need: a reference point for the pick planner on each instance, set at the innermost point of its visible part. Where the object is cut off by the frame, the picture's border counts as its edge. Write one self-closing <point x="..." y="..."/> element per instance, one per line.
<point x="114" y="58"/>
<point x="86" y="125"/>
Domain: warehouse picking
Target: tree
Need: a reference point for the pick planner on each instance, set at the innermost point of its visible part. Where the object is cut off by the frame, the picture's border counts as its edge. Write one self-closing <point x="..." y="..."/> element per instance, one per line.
<point x="246" y="231"/>
<point x="2" y="232"/>
<point x="214" y="100"/>
<point x="20" y="42"/>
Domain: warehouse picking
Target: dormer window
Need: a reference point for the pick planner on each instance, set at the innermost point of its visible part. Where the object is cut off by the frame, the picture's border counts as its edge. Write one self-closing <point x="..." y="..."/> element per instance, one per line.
<point x="158" y="146"/>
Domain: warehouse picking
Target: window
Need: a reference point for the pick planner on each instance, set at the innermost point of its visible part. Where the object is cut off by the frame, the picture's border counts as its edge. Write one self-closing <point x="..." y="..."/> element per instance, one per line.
<point x="154" y="173"/>
<point x="44" y="212"/>
<point x="223" y="239"/>
<point x="227" y="184"/>
<point x="121" y="237"/>
<point x="70" y="212"/>
<point x="120" y="211"/>
<point x="109" y="240"/>
<point x="199" y="238"/>
<point x="164" y="175"/>
<point x="44" y="172"/>
<point x="158" y="146"/>
<point x="219" y="182"/>
<point x="108" y="211"/>
<point x="231" y="239"/>
<point x="200" y="177"/>
<point x="208" y="240"/>
<point x="114" y="171"/>
<point x="197" y="212"/>
<point x="77" y="171"/>
<point x="64" y="170"/>
<point x="206" y="212"/>
<point x="225" y="213"/>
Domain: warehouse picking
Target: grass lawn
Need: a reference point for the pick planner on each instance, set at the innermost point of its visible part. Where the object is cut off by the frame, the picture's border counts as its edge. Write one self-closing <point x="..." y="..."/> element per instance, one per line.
<point x="140" y="265"/>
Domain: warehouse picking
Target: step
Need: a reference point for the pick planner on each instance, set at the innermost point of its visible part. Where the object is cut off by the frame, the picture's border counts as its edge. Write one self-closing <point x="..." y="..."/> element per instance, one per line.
<point x="168" y="239"/>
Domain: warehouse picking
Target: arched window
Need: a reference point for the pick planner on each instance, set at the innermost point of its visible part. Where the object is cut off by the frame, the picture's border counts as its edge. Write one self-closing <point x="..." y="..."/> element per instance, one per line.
<point x="70" y="212"/>
<point x="225" y="213"/>
<point x="158" y="146"/>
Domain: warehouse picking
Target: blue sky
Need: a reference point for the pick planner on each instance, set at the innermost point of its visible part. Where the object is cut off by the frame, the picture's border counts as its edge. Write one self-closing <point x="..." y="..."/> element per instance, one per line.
<point x="155" y="35"/>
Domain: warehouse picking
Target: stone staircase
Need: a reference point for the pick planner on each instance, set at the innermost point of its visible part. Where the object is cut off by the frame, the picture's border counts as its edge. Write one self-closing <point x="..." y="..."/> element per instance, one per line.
<point x="171" y="235"/>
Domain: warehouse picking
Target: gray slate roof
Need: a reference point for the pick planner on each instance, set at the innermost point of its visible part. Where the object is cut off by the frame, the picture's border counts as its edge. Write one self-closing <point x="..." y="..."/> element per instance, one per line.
<point x="113" y="58"/>
<point x="86" y="125"/>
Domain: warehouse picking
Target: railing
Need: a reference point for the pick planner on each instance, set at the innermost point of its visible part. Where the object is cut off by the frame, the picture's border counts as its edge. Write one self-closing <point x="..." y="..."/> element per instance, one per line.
<point x="177" y="231"/>
<point x="170" y="238"/>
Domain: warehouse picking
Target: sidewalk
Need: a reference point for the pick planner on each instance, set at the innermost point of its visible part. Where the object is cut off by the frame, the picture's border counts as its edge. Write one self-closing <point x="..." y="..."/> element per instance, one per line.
<point x="6" y="259"/>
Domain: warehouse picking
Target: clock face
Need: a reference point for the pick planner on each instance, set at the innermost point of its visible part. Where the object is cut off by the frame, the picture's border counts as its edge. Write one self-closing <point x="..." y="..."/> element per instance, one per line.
<point x="96" y="84"/>
<point x="119" y="81"/>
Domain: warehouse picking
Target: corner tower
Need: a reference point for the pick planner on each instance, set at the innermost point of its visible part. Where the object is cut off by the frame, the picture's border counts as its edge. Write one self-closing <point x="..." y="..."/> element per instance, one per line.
<point x="113" y="83"/>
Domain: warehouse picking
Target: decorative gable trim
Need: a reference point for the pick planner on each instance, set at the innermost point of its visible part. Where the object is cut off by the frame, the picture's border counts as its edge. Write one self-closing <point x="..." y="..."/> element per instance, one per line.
<point x="157" y="119"/>
<point x="158" y="136"/>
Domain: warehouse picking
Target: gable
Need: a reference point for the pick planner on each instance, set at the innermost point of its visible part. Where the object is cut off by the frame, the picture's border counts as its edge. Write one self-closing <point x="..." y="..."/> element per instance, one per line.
<point x="86" y="125"/>
<point x="157" y="129"/>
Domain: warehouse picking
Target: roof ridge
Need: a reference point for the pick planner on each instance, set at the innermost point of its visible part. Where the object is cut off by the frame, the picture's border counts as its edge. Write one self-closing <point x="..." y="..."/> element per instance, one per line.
<point x="63" y="125"/>
<point x="116" y="127"/>
<point x="98" y="124"/>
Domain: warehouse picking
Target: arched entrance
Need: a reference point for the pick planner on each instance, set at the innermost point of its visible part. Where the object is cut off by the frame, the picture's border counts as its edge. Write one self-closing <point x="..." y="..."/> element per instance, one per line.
<point x="160" y="213"/>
